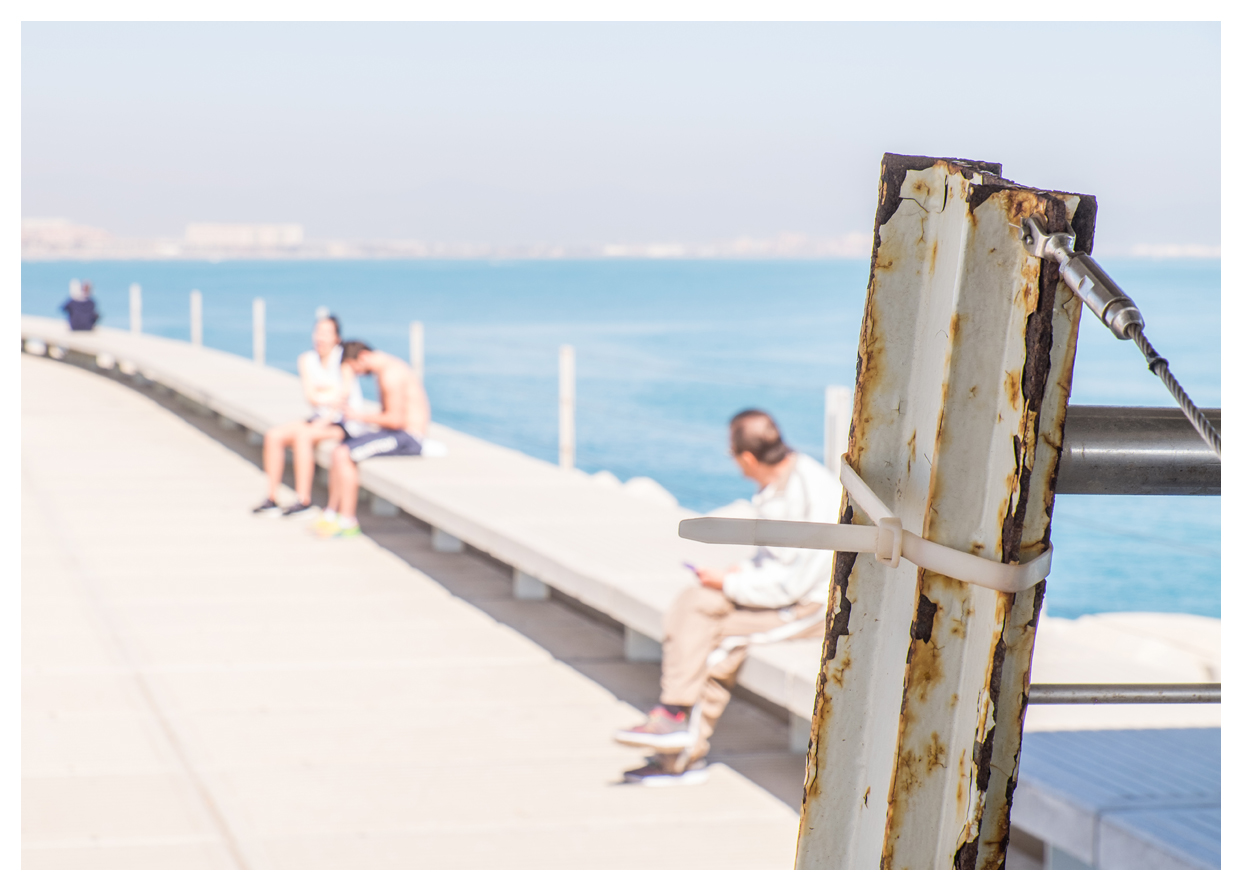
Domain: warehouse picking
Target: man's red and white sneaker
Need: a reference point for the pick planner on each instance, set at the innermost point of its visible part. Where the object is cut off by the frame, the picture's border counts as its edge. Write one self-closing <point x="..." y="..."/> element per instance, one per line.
<point x="662" y="730"/>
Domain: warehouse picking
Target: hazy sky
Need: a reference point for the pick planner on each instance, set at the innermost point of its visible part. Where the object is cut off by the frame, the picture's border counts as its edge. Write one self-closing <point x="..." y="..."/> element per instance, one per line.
<point x="594" y="133"/>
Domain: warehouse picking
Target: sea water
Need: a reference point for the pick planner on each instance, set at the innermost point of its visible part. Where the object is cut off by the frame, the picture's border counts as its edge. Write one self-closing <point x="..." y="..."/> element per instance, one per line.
<point x="668" y="350"/>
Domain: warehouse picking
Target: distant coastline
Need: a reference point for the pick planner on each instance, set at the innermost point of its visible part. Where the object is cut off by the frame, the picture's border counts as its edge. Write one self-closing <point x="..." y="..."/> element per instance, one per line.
<point x="61" y="239"/>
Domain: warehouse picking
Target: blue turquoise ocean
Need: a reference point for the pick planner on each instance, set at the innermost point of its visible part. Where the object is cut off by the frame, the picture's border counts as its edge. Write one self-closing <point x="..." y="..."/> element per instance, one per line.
<point x="667" y="351"/>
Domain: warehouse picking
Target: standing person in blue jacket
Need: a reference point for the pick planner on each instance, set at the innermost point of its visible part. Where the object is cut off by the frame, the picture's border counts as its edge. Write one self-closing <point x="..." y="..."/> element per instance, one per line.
<point x="80" y="307"/>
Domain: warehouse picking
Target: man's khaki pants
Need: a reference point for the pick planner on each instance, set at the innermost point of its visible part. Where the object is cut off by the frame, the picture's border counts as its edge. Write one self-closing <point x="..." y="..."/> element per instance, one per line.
<point x="700" y="619"/>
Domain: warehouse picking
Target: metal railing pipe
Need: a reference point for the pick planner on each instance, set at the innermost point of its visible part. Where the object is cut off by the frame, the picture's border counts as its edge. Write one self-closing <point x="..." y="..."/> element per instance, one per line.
<point x="1128" y="450"/>
<point x="1116" y="694"/>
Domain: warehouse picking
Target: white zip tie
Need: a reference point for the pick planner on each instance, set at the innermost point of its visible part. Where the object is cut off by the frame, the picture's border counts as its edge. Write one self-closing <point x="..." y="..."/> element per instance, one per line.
<point x="887" y="540"/>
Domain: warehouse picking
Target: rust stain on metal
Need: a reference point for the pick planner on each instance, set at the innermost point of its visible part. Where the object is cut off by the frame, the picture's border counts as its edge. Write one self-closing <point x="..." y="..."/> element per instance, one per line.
<point x="836" y="676"/>
<point x="912" y="766"/>
<point x="843" y="565"/>
<point x="822" y="713"/>
<point x="925" y="670"/>
<point x="1013" y="389"/>
<point x="963" y="781"/>
<point x="957" y="627"/>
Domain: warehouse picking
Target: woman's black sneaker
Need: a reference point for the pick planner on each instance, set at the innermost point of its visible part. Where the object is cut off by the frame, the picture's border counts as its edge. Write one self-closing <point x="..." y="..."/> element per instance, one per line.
<point x="293" y="509"/>
<point x="268" y="507"/>
<point x="661" y="770"/>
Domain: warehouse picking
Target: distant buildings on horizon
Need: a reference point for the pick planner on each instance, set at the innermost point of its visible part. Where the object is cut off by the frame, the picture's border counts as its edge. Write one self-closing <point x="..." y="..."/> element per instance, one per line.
<point x="62" y="239"/>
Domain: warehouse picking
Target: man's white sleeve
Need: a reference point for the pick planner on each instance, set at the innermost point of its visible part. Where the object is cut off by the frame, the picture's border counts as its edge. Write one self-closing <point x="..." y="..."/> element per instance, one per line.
<point x="765" y="584"/>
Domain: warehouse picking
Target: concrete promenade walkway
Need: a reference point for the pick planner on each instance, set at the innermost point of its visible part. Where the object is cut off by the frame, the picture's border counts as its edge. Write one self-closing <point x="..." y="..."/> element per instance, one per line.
<point x="202" y="688"/>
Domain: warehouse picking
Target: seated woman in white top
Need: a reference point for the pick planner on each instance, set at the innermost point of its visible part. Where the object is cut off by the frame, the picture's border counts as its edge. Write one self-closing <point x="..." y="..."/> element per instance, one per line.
<point x="329" y="388"/>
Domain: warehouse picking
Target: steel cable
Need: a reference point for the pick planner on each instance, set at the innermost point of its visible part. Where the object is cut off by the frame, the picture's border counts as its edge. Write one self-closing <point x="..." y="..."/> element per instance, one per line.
<point x="1159" y="366"/>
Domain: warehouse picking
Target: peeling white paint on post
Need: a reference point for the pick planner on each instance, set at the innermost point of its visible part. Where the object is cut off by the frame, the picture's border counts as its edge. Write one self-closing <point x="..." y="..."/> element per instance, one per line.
<point x="196" y="317"/>
<point x="416" y="349"/>
<point x="135" y="309"/>
<point x="566" y="450"/>
<point x="964" y="362"/>
<point x="259" y="316"/>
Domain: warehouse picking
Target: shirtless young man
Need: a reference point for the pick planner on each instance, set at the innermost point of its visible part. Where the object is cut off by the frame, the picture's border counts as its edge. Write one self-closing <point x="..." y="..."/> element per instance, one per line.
<point x="403" y="420"/>
<point x="328" y="387"/>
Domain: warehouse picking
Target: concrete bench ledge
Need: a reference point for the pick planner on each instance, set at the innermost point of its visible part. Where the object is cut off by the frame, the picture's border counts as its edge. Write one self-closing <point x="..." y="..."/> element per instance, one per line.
<point x="598" y="544"/>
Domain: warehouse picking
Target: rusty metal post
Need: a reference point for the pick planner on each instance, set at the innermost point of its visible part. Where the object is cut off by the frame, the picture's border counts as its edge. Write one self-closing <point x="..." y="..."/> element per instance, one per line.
<point x="965" y="359"/>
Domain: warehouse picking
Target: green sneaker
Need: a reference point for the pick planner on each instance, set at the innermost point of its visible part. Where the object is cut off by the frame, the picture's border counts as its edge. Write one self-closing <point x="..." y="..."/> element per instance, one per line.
<point x="347" y="531"/>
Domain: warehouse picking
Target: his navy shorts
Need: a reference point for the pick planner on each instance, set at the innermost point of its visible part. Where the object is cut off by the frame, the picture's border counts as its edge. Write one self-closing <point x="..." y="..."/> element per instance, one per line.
<point x="380" y="443"/>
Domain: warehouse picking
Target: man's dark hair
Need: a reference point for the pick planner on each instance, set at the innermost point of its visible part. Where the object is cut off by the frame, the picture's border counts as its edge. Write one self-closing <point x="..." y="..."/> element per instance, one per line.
<point x="754" y="431"/>
<point x="352" y="349"/>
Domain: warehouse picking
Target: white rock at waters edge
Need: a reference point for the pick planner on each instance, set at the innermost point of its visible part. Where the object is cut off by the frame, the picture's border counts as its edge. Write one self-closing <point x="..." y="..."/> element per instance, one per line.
<point x="646" y="488"/>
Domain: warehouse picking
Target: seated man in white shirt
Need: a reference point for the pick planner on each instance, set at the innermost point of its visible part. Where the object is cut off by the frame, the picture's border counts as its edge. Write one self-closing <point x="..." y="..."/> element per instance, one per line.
<point x="776" y="587"/>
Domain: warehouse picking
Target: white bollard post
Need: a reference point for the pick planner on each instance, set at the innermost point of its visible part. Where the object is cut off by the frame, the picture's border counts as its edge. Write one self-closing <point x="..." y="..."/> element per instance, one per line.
<point x="196" y="317"/>
<point x="135" y="309"/>
<point x="567" y="408"/>
<point x="416" y="349"/>
<point x="838" y="407"/>
<point x="260" y="331"/>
